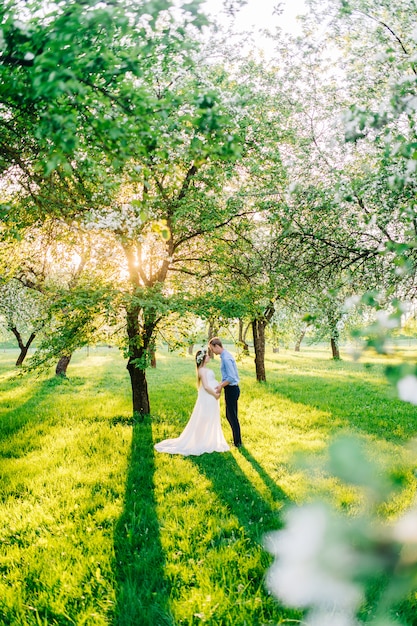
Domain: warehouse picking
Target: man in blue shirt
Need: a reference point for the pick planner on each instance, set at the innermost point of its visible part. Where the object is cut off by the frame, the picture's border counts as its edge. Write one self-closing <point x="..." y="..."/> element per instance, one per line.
<point x="230" y="384"/>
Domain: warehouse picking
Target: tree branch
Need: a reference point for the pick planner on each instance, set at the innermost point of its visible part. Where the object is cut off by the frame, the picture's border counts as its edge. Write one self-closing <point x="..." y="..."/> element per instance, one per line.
<point x="393" y="33"/>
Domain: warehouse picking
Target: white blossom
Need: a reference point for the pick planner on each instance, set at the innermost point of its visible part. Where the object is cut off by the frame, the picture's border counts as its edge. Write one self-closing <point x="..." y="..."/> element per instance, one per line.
<point x="411" y="104"/>
<point x="351" y="302"/>
<point x="328" y="618"/>
<point x="385" y="321"/>
<point x="405" y="529"/>
<point x="407" y="389"/>
<point x="123" y="218"/>
<point x="411" y="166"/>
<point x="313" y="564"/>
<point x="22" y="26"/>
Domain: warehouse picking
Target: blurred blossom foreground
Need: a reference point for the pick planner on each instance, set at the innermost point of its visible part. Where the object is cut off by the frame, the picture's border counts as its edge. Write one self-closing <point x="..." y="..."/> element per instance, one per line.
<point x="347" y="570"/>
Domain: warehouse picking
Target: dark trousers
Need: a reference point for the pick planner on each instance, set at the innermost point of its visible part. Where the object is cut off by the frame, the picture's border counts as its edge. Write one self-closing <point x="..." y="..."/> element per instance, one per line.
<point x="231" y="396"/>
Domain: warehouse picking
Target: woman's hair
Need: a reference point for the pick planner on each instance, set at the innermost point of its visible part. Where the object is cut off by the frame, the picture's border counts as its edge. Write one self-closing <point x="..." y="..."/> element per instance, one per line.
<point x="199" y="357"/>
<point x="199" y="360"/>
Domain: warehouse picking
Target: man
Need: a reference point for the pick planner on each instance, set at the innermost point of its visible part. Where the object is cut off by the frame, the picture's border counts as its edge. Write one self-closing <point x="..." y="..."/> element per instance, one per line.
<point x="230" y="384"/>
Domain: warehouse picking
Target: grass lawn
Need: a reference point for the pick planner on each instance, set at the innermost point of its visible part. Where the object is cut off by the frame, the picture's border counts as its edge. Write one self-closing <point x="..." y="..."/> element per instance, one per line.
<point x="98" y="529"/>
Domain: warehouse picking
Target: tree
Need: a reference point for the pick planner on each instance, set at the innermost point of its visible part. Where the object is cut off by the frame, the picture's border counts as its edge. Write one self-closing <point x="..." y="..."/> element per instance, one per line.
<point x="247" y="284"/>
<point x="141" y="139"/>
<point x="23" y="312"/>
<point x="342" y="219"/>
<point x="246" y="264"/>
<point x="55" y="263"/>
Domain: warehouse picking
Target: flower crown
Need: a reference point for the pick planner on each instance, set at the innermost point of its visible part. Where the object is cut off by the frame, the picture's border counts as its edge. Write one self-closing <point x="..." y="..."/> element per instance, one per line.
<point x="200" y="356"/>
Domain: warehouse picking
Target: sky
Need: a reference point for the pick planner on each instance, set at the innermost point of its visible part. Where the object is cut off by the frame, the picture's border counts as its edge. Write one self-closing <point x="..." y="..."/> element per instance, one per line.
<point x="260" y="14"/>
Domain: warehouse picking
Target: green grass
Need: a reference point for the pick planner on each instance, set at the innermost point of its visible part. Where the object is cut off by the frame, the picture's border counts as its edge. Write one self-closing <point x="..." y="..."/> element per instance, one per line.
<point x="98" y="529"/>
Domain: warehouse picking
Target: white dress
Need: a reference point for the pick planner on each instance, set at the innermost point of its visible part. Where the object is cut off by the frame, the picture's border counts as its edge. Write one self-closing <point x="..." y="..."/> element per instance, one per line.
<point x="203" y="432"/>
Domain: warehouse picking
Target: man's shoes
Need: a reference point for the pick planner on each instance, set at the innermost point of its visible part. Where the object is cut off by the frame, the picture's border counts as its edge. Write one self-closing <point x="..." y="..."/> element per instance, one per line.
<point x="238" y="445"/>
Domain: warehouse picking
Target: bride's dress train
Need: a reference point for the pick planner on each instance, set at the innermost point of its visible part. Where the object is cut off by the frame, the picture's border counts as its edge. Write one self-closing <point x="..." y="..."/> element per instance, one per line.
<point x="203" y="432"/>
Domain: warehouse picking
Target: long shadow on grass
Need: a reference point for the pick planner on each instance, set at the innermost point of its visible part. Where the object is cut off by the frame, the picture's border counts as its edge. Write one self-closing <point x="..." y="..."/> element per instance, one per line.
<point x="255" y="513"/>
<point x="142" y="591"/>
<point x="23" y="427"/>
<point x="29" y="414"/>
<point x="354" y="403"/>
<point x="276" y="492"/>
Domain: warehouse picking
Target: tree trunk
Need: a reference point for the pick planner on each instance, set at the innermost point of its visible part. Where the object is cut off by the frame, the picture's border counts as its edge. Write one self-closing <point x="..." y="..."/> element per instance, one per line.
<point x="140" y="351"/>
<point x="191" y="348"/>
<point x="258" y="329"/>
<point x="23" y="348"/>
<point x="335" y="349"/>
<point x="140" y="397"/>
<point x="333" y="317"/>
<point x="213" y="329"/>
<point x="334" y="335"/>
<point x="22" y="355"/>
<point x="242" y="340"/>
<point x="299" y="340"/>
<point x="62" y="365"/>
<point x="246" y="332"/>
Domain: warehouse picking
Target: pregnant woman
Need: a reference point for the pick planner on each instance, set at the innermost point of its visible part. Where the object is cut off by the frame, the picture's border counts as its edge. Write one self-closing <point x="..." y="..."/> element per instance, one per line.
<point x="203" y="432"/>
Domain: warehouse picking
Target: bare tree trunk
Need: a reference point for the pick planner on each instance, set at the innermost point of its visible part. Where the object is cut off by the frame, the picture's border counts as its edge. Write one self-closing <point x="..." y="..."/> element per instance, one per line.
<point x="213" y="331"/>
<point x="23" y="347"/>
<point x="140" y="397"/>
<point x="246" y="331"/>
<point x="335" y="349"/>
<point x="140" y="342"/>
<point x="191" y="348"/>
<point x="334" y="334"/>
<point x="258" y="329"/>
<point x="62" y="365"/>
<point x="242" y="339"/>
<point x="299" y="340"/>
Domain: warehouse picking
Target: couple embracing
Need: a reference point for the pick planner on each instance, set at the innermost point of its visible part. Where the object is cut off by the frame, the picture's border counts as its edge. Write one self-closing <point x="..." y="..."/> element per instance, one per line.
<point x="203" y="433"/>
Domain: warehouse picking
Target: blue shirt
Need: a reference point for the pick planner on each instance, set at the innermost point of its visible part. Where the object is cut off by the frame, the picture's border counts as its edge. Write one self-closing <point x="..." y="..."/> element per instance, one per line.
<point x="228" y="368"/>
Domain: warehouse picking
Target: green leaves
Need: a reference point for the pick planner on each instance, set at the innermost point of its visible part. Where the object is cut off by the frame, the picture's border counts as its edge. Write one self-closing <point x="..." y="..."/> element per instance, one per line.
<point x="349" y="461"/>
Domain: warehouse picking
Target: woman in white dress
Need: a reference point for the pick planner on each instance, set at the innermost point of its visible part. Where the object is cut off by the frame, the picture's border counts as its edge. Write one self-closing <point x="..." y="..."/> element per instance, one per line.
<point x="203" y="432"/>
